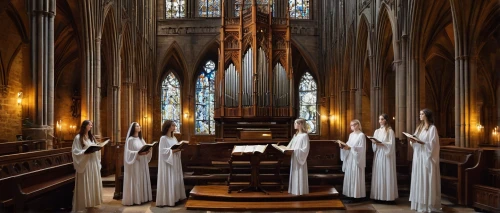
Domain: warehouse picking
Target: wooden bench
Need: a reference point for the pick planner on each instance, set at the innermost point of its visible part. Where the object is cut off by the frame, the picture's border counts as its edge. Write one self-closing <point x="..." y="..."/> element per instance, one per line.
<point x="13" y="147"/>
<point x="484" y="194"/>
<point x="36" y="181"/>
<point x="453" y="163"/>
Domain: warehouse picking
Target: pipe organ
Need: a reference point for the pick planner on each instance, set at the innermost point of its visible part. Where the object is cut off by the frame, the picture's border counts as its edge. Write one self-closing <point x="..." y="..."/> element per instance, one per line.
<point x="255" y="54"/>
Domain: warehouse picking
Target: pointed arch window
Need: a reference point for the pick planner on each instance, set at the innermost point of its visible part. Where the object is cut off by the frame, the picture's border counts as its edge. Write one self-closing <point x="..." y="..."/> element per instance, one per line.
<point x="205" y="100"/>
<point x="308" y="92"/>
<point x="299" y="9"/>
<point x="171" y="100"/>
<point x="175" y="9"/>
<point x="209" y="8"/>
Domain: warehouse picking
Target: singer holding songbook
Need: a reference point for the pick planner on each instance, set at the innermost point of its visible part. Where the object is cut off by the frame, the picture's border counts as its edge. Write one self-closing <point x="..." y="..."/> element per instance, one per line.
<point x="353" y="155"/>
<point x="88" y="183"/>
<point x="425" y="189"/>
<point x="384" y="187"/>
<point x="298" y="183"/>
<point x="136" y="181"/>
<point x="170" y="185"/>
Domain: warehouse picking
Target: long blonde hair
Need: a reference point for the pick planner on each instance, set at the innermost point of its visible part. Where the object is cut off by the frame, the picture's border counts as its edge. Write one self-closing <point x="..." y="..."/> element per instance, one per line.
<point x="302" y="123"/>
<point x="357" y="122"/>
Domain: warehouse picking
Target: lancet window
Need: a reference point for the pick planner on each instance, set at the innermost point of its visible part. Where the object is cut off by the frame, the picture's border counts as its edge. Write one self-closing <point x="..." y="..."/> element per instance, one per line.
<point x="171" y="100"/>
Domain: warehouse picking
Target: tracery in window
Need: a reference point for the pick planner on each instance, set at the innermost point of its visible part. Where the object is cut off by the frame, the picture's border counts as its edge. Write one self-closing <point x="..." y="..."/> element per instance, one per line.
<point x="175" y="9"/>
<point x="308" y="101"/>
<point x="171" y="100"/>
<point x="209" y="8"/>
<point x="299" y="9"/>
<point x="205" y="100"/>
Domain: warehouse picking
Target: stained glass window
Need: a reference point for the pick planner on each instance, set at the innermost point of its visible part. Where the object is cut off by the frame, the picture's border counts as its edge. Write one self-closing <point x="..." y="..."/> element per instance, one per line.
<point x="205" y="100"/>
<point x="299" y="9"/>
<point x="175" y="8"/>
<point x="239" y="3"/>
<point x="171" y="100"/>
<point x="307" y="97"/>
<point x="209" y="8"/>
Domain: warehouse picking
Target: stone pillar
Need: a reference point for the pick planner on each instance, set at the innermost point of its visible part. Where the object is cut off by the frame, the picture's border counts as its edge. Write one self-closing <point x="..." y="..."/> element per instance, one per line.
<point x="42" y="13"/>
<point x="401" y="89"/>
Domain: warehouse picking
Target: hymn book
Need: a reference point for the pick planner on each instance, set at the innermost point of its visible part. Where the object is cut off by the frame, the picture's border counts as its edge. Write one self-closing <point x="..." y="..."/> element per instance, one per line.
<point x="414" y="137"/>
<point x="341" y="143"/>
<point x="373" y="139"/>
<point x="283" y="149"/>
<point x="179" y="145"/>
<point x="240" y="150"/>
<point x="147" y="147"/>
<point x="95" y="147"/>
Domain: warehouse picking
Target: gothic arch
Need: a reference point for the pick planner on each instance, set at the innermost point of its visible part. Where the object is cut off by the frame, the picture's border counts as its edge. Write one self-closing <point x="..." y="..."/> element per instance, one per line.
<point x="208" y="52"/>
<point x="309" y="62"/>
<point x="175" y="58"/>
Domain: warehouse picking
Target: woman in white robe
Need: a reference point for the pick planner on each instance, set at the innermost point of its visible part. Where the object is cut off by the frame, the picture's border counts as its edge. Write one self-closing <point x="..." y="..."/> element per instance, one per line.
<point x="298" y="183"/>
<point x="170" y="177"/>
<point x="353" y="156"/>
<point x="384" y="177"/>
<point x="136" y="181"/>
<point x="88" y="183"/>
<point x="425" y="189"/>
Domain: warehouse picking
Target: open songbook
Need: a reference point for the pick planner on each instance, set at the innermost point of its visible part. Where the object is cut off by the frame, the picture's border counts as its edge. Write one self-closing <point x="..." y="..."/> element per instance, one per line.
<point x="95" y="147"/>
<point x="147" y="147"/>
<point x="373" y="139"/>
<point x="179" y="145"/>
<point x="414" y="137"/>
<point x="340" y="142"/>
<point x="283" y="149"/>
<point x="240" y="150"/>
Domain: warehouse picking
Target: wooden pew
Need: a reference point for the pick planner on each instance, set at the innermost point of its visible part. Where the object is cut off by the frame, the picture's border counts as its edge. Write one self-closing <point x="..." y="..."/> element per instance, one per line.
<point x="13" y="147"/>
<point x="36" y="181"/>
<point x="453" y="163"/>
<point x="484" y="194"/>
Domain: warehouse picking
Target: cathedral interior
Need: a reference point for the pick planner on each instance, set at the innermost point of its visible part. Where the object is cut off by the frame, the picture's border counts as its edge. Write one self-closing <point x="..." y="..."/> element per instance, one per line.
<point x="233" y="72"/>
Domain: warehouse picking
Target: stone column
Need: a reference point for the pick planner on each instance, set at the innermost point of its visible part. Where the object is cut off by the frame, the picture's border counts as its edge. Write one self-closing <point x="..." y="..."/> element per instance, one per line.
<point x="42" y="13"/>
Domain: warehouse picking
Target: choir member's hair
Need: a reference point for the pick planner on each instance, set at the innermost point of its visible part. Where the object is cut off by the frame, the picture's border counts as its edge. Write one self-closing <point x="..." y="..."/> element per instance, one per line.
<point x="166" y="126"/>
<point x="302" y="123"/>
<point x="430" y="120"/>
<point x="83" y="128"/>
<point x="132" y="131"/>
<point x="387" y="121"/>
<point x="357" y="122"/>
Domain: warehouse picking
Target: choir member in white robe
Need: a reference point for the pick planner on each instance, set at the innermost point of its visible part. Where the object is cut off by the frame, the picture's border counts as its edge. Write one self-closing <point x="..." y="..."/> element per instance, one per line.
<point x="170" y="177"/>
<point x="136" y="181"/>
<point x="298" y="183"/>
<point x="425" y="189"/>
<point x="354" y="162"/>
<point x="384" y="178"/>
<point x="88" y="183"/>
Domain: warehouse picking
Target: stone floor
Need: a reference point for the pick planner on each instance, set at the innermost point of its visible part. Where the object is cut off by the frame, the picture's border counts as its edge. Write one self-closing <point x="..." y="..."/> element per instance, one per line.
<point x="402" y="205"/>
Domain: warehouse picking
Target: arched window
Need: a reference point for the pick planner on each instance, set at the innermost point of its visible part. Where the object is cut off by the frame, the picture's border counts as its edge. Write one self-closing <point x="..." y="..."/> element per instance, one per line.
<point x="209" y="8"/>
<point x="299" y="9"/>
<point x="205" y="100"/>
<point x="308" y="98"/>
<point x="171" y="100"/>
<point x="175" y="8"/>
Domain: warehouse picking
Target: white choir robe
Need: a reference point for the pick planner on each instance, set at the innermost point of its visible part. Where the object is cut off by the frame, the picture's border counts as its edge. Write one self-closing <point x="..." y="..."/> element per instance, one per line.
<point x="136" y="181"/>
<point x="88" y="183"/>
<point x="170" y="177"/>
<point x="384" y="177"/>
<point x="298" y="183"/>
<point x="354" y="163"/>
<point x="425" y="189"/>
